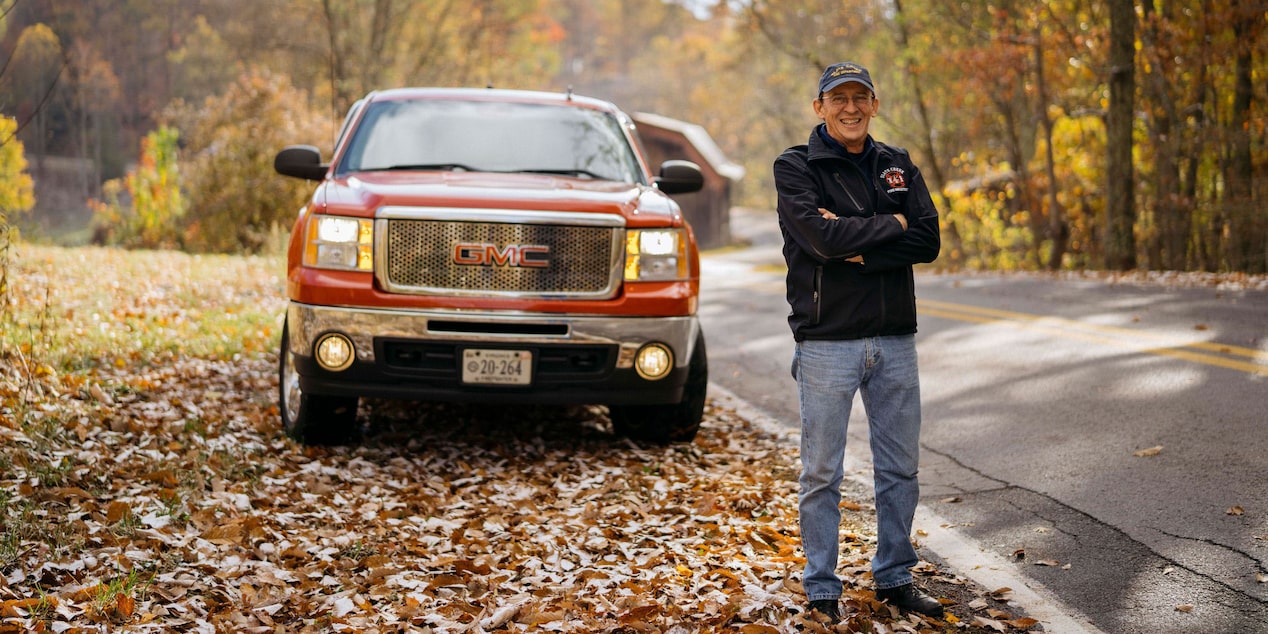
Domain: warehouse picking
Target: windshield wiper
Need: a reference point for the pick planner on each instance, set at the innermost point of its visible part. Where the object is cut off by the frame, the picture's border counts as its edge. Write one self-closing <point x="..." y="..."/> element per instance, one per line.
<point x="566" y="172"/>
<point x="447" y="167"/>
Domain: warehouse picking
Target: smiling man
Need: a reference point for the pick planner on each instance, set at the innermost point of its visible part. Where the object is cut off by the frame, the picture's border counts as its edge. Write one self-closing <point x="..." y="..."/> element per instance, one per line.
<point x="855" y="215"/>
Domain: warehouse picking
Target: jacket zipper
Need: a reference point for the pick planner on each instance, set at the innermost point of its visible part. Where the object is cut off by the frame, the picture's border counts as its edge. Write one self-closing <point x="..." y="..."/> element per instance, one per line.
<point x="841" y="182"/>
<point x="817" y="293"/>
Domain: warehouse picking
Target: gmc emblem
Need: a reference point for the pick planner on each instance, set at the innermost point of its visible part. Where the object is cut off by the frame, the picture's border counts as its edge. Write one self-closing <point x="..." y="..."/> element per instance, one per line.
<point x="488" y="254"/>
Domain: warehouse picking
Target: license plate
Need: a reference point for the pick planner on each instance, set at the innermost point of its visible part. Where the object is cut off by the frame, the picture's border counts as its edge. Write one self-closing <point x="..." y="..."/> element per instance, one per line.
<point x="497" y="367"/>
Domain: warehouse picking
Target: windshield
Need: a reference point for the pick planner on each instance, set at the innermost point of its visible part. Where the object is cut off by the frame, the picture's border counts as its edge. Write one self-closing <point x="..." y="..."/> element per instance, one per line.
<point x="491" y="137"/>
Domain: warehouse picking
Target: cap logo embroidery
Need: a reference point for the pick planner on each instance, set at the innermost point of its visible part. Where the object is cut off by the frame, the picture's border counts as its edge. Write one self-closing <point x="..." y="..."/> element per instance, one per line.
<point x="846" y="70"/>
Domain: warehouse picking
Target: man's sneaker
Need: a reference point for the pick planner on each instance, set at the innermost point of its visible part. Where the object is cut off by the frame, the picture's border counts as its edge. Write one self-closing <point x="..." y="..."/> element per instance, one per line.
<point x="827" y="611"/>
<point x="910" y="599"/>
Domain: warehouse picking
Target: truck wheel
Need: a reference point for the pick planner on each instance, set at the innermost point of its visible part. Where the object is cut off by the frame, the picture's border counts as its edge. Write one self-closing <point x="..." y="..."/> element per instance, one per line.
<point x="312" y="419"/>
<point x="674" y="422"/>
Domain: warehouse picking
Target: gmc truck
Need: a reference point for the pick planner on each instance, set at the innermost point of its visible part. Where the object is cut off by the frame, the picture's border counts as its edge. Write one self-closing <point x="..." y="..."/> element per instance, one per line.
<point x="491" y="246"/>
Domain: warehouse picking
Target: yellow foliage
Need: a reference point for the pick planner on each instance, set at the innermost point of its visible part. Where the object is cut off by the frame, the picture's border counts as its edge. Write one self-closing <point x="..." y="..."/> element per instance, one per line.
<point x="17" y="191"/>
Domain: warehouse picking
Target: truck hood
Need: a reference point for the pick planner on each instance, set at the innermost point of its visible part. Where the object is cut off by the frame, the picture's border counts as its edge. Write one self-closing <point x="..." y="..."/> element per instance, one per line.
<point x="364" y="193"/>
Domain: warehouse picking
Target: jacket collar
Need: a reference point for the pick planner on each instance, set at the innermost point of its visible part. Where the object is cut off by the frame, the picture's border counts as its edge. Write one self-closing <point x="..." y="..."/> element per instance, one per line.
<point x="822" y="146"/>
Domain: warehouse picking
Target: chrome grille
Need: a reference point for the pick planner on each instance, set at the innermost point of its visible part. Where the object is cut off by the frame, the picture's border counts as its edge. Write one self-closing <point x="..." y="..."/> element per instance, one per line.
<point x="420" y="258"/>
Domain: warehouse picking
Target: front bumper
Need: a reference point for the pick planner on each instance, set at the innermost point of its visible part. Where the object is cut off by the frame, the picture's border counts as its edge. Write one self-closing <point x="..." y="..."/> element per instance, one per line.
<point x="415" y="354"/>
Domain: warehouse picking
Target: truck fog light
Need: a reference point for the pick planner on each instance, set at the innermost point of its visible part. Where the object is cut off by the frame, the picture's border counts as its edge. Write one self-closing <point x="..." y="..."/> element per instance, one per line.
<point x="334" y="352"/>
<point x="654" y="361"/>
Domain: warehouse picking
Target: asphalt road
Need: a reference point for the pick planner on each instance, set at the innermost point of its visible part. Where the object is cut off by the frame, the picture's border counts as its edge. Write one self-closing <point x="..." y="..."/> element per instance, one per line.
<point x="1109" y="440"/>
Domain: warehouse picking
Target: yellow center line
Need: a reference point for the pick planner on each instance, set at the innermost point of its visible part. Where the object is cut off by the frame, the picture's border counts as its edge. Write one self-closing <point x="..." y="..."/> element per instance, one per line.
<point x="1104" y="334"/>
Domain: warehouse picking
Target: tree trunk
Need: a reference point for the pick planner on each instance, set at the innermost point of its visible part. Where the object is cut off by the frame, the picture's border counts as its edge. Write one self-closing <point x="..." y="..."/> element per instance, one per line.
<point x="1169" y="248"/>
<point x="1120" y="242"/>
<point x="1058" y="233"/>
<point x="1246" y="233"/>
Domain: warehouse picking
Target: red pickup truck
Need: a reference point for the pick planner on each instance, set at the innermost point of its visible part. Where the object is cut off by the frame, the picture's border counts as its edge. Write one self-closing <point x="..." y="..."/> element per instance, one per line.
<point x="491" y="246"/>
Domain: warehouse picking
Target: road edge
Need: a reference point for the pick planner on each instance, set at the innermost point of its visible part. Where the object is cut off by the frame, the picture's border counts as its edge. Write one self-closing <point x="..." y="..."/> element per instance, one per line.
<point x="961" y="553"/>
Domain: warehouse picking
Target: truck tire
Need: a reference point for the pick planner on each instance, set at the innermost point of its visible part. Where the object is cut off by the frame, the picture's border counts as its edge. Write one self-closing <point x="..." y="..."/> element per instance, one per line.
<point x="311" y="419"/>
<point x="673" y="422"/>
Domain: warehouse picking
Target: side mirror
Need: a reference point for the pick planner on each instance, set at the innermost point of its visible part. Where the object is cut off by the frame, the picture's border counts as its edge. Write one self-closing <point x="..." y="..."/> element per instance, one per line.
<point x="300" y="161"/>
<point x="679" y="177"/>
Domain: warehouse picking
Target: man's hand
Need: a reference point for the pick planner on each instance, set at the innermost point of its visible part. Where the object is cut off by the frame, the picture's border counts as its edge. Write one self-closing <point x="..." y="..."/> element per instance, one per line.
<point x="902" y="220"/>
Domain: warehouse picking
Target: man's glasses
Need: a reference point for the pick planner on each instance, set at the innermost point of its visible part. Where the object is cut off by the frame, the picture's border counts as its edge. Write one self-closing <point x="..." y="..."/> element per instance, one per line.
<point x="859" y="101"/>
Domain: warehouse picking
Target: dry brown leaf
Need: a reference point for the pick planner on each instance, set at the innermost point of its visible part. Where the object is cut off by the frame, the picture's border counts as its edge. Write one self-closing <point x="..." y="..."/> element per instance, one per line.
<point x="1236" y="510"/>
<point x="100" y="394"/>
<point x="117" y="511"/>
<point x="1001" y="594"/>
<point x="1184" y="607"/>
<point x="1145" y="453"/>
<point x="990" y="623"/>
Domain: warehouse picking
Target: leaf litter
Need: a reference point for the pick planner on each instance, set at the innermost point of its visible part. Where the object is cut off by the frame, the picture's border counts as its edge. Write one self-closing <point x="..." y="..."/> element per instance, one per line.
<point x="155" y="491"/>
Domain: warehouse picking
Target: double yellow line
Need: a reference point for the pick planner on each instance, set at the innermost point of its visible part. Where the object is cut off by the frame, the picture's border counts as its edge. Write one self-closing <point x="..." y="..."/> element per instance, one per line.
<point x="1216" y="354"/>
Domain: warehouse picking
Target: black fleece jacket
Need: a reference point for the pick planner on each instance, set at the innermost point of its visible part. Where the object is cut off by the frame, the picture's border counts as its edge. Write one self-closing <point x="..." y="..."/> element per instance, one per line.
<point x="834" y="299"/>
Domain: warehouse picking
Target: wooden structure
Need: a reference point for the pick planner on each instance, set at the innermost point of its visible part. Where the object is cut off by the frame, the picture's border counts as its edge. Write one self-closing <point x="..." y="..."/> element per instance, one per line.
<point x="708" y="210"/>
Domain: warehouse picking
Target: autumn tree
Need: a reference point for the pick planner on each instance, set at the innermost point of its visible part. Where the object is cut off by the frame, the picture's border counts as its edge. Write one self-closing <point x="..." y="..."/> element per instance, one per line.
<point x="1041" y="154"/>
<point x="143" y="209"/>
<point x="36" y="68"/>
<point x="227" y="163"/>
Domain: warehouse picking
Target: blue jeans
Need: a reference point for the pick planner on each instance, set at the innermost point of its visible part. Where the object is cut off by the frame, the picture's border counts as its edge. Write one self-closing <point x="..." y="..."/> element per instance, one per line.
<point x="828" y="373"/>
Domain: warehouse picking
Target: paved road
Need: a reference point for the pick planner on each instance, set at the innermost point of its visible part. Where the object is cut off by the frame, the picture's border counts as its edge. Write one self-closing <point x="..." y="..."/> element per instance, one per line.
<point x="1039" y="393"/>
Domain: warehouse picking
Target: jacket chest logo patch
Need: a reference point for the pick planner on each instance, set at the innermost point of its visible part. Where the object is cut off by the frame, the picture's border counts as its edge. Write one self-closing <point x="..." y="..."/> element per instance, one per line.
<point x="896" y="178"/>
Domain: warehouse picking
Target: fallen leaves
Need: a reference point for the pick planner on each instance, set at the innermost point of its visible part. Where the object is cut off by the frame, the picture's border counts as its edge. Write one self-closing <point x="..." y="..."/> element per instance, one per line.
<point x="446" y="518"/>
<point x="1146" y="453"/>
<point x="152" y="491"/>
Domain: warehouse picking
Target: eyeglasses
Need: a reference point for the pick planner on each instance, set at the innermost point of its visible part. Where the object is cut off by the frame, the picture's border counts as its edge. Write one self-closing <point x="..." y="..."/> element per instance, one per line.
<point x="859" y="101"/>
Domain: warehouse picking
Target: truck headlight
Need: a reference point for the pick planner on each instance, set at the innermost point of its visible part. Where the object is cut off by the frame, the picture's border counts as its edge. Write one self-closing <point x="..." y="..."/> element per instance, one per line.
<point x="656" y="254"/>
<point x="339" y="242"/>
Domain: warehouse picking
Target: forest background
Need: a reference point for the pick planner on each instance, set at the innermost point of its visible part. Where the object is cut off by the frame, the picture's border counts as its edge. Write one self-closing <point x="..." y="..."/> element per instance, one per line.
<point x="1055" y="134"/>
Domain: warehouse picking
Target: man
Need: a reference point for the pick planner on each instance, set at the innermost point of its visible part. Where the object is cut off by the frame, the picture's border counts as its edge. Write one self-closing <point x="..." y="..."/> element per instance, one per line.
<point x="856" y="215"/>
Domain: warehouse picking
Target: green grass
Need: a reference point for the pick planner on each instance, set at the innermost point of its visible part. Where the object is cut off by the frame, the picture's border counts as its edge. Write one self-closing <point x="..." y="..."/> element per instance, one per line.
<point x="72" y="309"/>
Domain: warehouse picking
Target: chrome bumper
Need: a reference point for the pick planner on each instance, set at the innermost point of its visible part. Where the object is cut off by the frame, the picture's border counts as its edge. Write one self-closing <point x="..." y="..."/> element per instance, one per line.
<point x="307" y="322"/>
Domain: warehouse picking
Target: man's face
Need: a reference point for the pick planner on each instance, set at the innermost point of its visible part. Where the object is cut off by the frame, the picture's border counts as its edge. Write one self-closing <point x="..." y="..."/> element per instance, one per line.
<point x="847" y="110"/>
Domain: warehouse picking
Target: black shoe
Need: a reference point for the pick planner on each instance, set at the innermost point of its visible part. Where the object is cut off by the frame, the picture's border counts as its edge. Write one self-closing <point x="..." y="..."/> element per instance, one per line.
<point x="910" y="599"/>
<point x="827" y="609"/>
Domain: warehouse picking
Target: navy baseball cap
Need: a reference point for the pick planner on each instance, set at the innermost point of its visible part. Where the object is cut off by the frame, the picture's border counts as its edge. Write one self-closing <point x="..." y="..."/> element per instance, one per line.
<point x="838" y="74"/>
